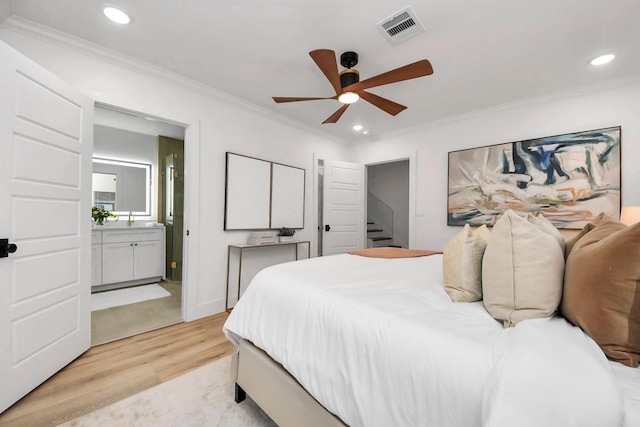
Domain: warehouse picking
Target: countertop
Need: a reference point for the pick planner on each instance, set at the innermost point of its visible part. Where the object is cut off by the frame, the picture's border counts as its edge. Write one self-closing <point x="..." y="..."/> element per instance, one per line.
<point x="123" y="227"/>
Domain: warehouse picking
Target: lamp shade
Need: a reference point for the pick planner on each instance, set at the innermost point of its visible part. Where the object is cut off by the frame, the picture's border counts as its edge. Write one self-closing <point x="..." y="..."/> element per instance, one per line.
<point x="630" y="215"/>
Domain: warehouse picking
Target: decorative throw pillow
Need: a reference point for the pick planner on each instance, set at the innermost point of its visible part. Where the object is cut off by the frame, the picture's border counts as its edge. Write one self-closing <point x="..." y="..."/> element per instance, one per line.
<point x="462" y="264"/>
<point x="522" y="271"/>
<point x="545" y="225"/>
<point x="602" y="289"/>
<point x="587" y="228"/>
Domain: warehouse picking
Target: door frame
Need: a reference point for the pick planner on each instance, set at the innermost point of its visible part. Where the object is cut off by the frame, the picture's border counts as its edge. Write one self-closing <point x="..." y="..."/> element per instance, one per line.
<point x="411" y="156"/>
<point x="366" y="177"/>
<point x="190" y="309"/>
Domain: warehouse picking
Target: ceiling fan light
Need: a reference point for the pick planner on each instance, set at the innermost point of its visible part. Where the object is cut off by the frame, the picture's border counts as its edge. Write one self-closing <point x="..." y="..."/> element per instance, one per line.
<point x="117" y="15"/>
<point x="348" y="97"/>
<point x="604" y="59"/>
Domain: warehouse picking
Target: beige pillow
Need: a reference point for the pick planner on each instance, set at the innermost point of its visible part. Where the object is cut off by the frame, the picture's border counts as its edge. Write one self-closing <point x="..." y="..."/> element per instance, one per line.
<point x="522" y="271"/>
<point x="462" y="264"/>
<point x="545" y="225"/>
<point x="602" y="289"/>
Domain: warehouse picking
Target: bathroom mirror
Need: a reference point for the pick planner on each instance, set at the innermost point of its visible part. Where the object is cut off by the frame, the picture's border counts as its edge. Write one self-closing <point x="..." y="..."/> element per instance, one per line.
<point x="122" y="186"/>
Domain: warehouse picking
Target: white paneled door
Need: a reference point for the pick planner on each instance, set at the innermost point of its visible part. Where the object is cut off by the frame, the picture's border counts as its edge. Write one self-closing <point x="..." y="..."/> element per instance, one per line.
<point x="46" y="142"/>
<point x="343" y="207"/>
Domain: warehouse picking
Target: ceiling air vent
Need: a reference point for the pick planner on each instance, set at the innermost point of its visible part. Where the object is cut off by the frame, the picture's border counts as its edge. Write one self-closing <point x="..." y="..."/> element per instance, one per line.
<point x="401" y="25"/>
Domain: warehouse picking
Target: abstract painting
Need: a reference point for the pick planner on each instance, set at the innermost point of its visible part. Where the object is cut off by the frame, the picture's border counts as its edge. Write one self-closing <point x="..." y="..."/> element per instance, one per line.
<point x="570" y="179"/>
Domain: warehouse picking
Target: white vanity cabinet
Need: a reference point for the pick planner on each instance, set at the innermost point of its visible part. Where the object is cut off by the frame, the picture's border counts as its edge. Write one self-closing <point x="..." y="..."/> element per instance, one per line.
<point x="131" y="256"/>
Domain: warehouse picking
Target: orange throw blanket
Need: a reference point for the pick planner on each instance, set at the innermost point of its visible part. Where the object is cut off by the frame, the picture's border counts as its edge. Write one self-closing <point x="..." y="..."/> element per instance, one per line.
<point x="388" y="252"/>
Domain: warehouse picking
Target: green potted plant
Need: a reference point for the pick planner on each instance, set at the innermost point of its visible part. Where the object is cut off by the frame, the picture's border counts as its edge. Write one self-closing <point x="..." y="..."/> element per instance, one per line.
<point x="286" y="234"/>
<point x="100" y="214"/>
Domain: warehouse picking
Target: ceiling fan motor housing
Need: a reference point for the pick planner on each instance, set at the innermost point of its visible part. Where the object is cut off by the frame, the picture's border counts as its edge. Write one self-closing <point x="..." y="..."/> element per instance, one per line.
<point x="350" y="75"/>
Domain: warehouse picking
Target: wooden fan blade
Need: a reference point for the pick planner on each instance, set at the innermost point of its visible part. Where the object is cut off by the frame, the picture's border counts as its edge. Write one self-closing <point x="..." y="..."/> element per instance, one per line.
<point x="384" y="104"/>
<point x="417" y="69"/>
<point x="335" y="116"/>
<point x="280" y="99"/>
<point x="325" y="59"/>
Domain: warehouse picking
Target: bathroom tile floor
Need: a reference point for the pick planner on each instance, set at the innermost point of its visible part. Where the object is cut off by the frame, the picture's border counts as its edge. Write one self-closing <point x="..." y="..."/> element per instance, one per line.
<point x="128" y="320"/>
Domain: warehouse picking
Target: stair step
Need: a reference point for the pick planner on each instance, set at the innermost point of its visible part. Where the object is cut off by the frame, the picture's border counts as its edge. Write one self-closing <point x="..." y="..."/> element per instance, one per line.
<point x="369" y="222"/>
<point x="377" y="239"/>
<point x="374" y="230"/>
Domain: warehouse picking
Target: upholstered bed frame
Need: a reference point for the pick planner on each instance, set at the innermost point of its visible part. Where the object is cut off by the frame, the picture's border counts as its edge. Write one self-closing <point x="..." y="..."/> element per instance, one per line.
<point x="276" y="391"/>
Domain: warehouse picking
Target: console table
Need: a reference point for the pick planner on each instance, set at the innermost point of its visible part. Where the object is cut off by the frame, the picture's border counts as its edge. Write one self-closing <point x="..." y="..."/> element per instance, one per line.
<point x="242" y="248"/>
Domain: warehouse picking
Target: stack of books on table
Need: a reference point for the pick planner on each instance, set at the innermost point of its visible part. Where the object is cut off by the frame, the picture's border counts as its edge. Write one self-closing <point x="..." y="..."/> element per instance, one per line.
<point x="262" y="238"/>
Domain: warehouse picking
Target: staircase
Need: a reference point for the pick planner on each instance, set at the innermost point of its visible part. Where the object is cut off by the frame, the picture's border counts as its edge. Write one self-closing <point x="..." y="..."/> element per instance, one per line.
<point x="379" y="222"/>
<point x="376" y="236"/>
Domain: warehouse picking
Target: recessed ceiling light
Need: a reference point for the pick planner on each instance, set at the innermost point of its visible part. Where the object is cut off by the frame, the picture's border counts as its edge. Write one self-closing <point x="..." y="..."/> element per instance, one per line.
<point x="357" y="127"/>
<point x="116" y="14"/>
<point x="604" y="59"/>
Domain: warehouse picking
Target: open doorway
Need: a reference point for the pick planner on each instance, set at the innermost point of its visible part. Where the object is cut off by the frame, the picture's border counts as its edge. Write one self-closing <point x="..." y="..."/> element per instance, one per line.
<point x="135" y="257"/>
<point x="388" y="204"/>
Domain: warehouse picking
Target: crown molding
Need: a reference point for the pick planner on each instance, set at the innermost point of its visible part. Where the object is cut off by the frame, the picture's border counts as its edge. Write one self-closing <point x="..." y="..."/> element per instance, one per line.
<point x="66" y="41"/>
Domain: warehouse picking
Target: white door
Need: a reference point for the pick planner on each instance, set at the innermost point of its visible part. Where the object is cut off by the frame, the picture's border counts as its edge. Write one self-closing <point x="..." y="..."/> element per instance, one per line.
<point x="46" y="143"/>
<point x="343" y="207"/>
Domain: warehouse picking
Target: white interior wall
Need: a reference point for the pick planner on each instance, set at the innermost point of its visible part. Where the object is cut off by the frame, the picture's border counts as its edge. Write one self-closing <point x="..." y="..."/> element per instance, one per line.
<point x="145" y="125"/>
<point x="537" y="118"/>
<point x="215" y="124"/>
<point x="5" y="10"/>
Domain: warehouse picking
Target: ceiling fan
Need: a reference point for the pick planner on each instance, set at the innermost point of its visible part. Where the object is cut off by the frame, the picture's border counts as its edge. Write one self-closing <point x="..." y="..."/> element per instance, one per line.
<point x="348" y="86"/>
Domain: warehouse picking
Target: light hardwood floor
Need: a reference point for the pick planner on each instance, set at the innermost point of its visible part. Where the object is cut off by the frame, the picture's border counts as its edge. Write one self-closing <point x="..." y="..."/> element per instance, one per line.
<point x="111" y="372"/>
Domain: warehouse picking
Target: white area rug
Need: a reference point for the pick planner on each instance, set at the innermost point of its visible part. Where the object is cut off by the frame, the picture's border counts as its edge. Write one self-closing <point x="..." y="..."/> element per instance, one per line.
<point x="203" y="397"/>
<point x="126" y="296"/>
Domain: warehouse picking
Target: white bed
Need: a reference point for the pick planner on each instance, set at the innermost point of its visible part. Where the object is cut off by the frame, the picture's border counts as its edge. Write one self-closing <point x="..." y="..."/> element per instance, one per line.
<point x="378" y="342"/>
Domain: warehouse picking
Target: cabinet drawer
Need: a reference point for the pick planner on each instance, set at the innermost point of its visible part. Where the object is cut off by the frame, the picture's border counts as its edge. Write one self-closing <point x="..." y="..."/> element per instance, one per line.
<point x="142" y="235"/>
<point x="96" y="237"/>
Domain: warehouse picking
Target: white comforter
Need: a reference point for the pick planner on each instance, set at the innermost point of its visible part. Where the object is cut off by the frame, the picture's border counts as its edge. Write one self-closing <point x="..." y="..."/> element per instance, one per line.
<point x="379" y="343"/>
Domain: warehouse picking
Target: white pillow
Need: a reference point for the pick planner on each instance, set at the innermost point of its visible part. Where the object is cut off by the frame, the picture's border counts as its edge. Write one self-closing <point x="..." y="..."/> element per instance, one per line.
<point x="522" y="271"/>
<point x="462" y="264"/>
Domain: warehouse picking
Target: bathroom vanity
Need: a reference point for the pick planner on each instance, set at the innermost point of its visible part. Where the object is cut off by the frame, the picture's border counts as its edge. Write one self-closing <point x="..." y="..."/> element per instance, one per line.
<point x="126" y="256"/>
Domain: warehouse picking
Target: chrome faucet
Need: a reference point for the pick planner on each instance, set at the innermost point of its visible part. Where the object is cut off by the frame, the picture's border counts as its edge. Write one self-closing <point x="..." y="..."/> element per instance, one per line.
<point x="129" y="221"/>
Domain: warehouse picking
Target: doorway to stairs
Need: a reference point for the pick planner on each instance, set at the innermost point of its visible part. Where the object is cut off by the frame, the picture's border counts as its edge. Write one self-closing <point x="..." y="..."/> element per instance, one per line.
<point x="388" y="204"/>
